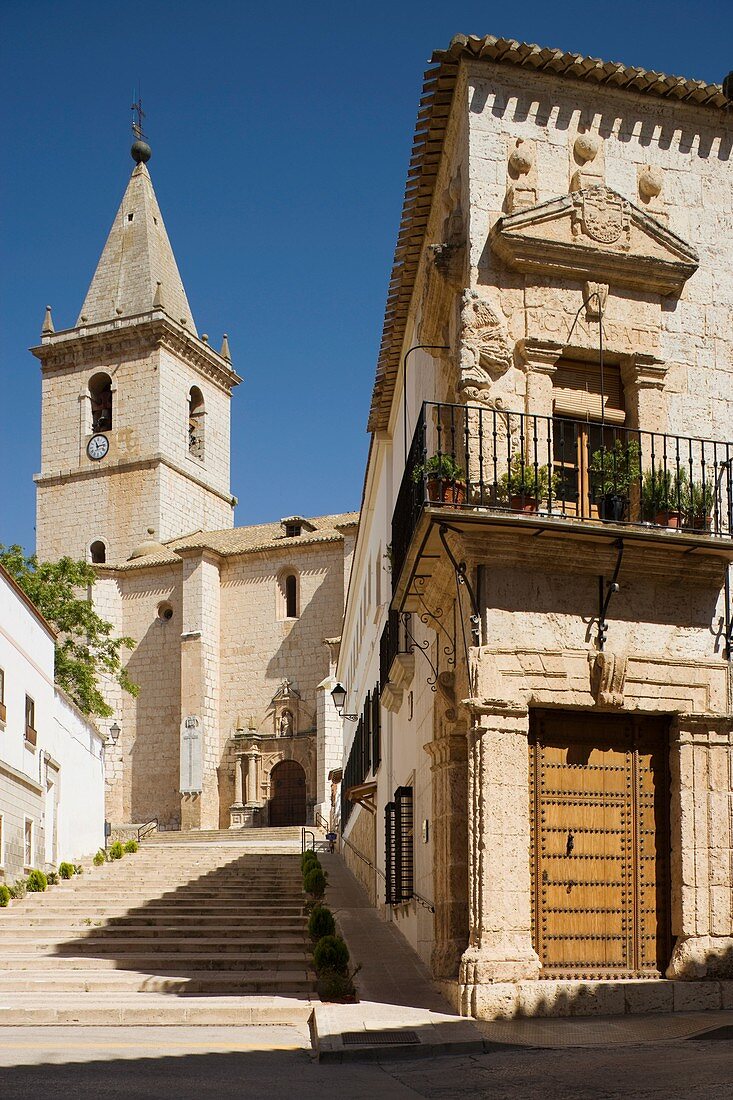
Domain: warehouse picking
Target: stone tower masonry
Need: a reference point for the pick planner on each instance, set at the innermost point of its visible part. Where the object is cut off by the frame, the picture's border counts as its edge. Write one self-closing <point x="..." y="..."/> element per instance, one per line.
<point x="135" y="405"/>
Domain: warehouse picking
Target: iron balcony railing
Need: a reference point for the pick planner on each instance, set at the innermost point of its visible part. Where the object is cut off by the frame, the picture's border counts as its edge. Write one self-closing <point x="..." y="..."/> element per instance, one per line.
<point x="472" y="458"/>
<point x="394" y="640"/>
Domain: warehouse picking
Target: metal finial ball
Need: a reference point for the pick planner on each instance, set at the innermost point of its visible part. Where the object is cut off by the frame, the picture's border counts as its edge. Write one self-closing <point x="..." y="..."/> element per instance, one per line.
<point x="141" y="152"/>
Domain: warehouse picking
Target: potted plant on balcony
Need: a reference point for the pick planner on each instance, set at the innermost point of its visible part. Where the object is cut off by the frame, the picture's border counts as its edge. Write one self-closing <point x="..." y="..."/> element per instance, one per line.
<point x="444" y="478"/>
<point x="613" y="470"/>
<point x="699" y="503"/>
<point x="525" y="485"/>
<point x="663" y="497"/>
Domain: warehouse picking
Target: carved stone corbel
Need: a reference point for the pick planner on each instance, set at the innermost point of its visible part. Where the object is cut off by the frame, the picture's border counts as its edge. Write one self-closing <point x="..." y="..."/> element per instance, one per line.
<point x="485" y="353"/>
<point x="608" y="677"/>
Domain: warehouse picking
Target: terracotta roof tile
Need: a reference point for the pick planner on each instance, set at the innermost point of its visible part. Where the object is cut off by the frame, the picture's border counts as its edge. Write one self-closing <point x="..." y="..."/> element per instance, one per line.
<point x="427" y="146"/>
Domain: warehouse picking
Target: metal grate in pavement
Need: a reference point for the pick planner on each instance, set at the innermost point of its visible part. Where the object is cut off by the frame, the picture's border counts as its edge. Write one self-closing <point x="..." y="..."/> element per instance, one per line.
<point x="378" y="1038"/>
<point x="717" y="1033"/>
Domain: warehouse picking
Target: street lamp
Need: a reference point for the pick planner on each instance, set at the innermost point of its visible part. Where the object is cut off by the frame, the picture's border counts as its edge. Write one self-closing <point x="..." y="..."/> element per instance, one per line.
<point x="114" y="733"/>
<point x="339" y="701"/>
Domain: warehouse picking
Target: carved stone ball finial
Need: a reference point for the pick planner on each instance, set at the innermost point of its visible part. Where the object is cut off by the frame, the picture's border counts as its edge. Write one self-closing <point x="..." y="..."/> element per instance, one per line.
<point x="522" y="158"/>
<point x="586" y="147"/>
<point x="650" y="182"/>
<point x="141" y="152"/>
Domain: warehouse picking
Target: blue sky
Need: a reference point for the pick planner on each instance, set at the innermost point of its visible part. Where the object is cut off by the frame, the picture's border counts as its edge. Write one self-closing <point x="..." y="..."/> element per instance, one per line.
<point x="281" y="136"/>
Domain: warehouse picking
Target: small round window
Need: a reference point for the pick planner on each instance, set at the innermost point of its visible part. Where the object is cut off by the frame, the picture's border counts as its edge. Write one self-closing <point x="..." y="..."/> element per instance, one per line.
<point x="165" y="612"/>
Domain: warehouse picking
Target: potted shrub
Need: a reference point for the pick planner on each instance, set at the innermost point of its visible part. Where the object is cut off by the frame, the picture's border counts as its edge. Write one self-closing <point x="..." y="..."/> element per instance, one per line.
<point x="525" y="485"/>
<point x="699" y="505"/>
<point x="613" y="470"/>
<point x="444" y="479"/>
<point x="663" y="496"/>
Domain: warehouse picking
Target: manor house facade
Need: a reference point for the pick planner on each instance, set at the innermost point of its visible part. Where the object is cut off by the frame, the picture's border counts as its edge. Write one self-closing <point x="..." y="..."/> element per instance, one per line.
<point x="538" y="635"/>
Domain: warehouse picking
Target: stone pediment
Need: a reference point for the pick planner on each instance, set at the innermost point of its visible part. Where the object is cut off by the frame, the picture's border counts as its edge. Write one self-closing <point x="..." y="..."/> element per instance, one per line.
<point x="595" y="234"/>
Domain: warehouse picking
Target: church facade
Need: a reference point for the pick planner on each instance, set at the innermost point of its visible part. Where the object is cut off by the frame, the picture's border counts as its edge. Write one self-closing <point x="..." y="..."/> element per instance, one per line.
<point x="236" y="628"/>
<point x="541" y="797"/>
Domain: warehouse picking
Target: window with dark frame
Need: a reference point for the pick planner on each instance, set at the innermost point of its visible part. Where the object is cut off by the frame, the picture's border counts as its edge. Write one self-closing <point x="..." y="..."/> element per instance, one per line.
<point x="291" y="596"/>
<point x="30" y="720"/>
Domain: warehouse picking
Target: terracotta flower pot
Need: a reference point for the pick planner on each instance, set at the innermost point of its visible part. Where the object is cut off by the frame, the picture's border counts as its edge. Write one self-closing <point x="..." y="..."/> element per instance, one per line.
<point x="524" y="503"/>
<point x="698" y="523"/>
<point x="441" y="490"/>
<point x="669" y="519"/>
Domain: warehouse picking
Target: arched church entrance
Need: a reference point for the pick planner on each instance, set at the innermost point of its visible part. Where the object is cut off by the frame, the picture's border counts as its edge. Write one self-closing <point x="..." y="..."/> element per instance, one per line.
<point x="287" y="794"/>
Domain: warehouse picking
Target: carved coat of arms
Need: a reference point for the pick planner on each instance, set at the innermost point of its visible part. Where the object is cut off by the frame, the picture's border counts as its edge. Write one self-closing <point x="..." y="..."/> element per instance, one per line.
<point x="603" y="214"/>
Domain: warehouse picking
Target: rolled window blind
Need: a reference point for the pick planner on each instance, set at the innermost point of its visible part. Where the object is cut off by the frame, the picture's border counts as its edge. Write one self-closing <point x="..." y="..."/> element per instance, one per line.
<point x="577" y="391"/>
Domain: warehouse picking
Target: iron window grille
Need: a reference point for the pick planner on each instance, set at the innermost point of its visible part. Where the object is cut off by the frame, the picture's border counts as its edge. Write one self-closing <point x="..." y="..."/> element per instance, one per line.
<point x="399" y="860"/>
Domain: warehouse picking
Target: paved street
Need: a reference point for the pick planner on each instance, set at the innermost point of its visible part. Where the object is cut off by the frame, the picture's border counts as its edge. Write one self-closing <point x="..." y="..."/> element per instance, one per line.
<point x="274" y="1062"/>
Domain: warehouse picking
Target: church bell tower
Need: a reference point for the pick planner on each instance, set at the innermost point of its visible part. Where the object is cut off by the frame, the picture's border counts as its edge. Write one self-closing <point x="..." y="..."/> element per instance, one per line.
<point x="135" y="423"/>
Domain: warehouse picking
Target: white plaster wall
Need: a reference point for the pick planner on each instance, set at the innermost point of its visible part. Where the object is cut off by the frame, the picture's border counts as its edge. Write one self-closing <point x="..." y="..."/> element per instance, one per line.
<point x="77" y="745"/>
<point x="27" y="657"/>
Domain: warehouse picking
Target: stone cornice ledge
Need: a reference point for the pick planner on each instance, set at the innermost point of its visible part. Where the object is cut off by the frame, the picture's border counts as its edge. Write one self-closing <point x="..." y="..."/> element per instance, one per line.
<point x="87" y="343"/>
<point x="545" y="239"/>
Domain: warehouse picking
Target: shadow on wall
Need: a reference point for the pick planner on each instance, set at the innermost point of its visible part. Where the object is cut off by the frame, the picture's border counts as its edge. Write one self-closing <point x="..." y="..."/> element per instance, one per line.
<point x="305" y="639"/>
<point x="155" y="664"/>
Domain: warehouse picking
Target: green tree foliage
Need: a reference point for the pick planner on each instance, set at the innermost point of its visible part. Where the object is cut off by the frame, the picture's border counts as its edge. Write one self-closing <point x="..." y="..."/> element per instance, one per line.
<point x="85" y="648"/>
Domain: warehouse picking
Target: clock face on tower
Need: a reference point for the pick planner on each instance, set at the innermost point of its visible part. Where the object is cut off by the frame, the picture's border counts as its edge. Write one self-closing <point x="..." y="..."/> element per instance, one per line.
<point x="97" y="447"/>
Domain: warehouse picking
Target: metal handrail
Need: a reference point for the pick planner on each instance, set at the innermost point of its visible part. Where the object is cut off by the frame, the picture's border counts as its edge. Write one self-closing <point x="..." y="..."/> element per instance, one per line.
<point x="361" y="856"/>
<point x="307" y="832"/>
<point x="320" y="821"/>
<point x="149" y="827"/>
<point x="414" y="895"/>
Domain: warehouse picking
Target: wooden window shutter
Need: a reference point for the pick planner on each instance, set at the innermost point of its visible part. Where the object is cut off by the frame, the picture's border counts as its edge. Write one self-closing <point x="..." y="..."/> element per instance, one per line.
<point x="577" y="391"/>
<point x="376" y="730"/>
<point x="390" y="846"/>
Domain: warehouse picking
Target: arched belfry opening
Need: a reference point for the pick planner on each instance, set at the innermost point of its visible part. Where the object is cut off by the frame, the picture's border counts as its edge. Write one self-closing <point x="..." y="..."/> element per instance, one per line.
<point x="98" y="552"/>
<point x="100" y="394"/>
<point x="196" y="419"/>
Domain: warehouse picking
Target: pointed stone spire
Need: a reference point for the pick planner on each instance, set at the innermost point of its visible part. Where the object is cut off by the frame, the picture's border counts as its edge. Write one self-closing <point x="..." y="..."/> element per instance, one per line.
<point x="137" y="259"/>
<point x="158" y="296"/>
<point x="225" y="353"/>
<point x="47" y="328"/>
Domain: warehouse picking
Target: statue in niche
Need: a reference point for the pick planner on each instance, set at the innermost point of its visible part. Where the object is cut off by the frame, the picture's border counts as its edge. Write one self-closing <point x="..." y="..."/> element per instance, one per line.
<point x="286" y="724"/>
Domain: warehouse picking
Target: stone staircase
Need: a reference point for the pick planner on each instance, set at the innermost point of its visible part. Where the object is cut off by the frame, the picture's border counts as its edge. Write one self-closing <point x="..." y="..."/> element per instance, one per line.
<point x="201" y="916"/>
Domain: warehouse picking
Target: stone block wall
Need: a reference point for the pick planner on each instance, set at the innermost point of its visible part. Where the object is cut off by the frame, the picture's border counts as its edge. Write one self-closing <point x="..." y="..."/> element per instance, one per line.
<point x="148" y="747"/>
<point x="20" y="798"/>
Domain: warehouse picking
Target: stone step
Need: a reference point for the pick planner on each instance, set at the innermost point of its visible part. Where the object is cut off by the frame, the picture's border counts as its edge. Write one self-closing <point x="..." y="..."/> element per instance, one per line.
<point x="157" y="962"/>
<point x="61" y="932"/>
<point x="300" y="980"/>
<point x="203" y="914"/>
<point x="173" y="900"/>
<point x="100" y="946"/>
<point x="155" y="907"/>
<point x="130" y="1009"/>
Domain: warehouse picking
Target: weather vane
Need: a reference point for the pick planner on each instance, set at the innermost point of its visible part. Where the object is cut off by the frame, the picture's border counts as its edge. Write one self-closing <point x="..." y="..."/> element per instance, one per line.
<point x="137" y="118"/>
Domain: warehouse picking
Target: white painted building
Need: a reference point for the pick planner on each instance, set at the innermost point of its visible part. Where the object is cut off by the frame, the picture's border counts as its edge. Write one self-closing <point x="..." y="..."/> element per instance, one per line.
<point x="51" y="756"/>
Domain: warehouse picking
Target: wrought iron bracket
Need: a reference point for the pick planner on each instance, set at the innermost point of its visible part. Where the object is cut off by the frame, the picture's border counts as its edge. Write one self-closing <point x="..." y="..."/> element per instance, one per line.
<point x="605" y="592"/>
<point x="415" y="646"/>
<point x="728" y="616"/>
<point x="463" y="579"/>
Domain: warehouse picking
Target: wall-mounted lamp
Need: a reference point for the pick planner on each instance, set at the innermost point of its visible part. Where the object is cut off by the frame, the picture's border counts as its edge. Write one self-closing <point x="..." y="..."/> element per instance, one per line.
<point x="339" y="701"/>
<point x="114" y="733"/>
